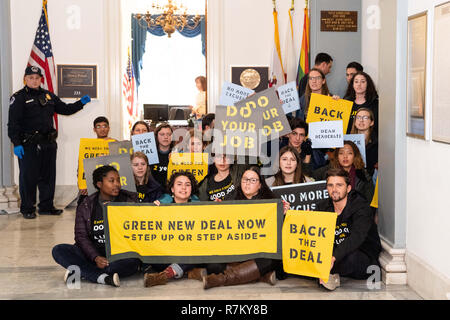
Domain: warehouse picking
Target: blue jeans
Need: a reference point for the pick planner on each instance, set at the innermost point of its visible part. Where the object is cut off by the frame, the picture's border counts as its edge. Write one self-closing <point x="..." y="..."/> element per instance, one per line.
<point x="67" y="255"/>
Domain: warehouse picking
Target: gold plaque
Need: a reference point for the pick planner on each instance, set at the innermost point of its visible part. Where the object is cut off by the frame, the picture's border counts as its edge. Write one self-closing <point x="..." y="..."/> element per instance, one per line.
<point x="250" y="78"/>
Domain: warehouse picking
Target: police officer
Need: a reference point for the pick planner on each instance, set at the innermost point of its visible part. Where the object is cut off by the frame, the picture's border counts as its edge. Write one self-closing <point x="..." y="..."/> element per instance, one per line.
<point x="30" y="128"/>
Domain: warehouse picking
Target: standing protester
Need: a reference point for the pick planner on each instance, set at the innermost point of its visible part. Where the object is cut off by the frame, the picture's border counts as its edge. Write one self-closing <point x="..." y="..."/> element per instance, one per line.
<point x="31" y="130"/>
<point x="352" y="68"/>
<point x="323" y="62"/>
<point x="357" y="243"/>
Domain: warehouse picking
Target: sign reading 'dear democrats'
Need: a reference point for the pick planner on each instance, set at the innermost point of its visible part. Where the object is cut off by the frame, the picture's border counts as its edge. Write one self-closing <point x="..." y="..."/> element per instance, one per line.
<point x="275" y="124"/>
<point x="360" y="141"/>
<point x="236" y="132"/>
<point x="120" y="147"/>
<point x="189" y="233"/>
<point x="326" y="134"/>
<point x="195" y="163"/>
<point x="308" y="238"/>
<point x="120" y="162"/>
<point x="289" y="97"/>
<point x="146" y="144"/>
<point x="232" y="93"/>
<point x="89" y="148"/>
<point x="302" y="196"/>
<point x="325" y="108"/>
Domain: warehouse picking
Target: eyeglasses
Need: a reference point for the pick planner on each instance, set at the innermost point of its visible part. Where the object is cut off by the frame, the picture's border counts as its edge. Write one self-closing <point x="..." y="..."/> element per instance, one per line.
<point x="315" y="78"/>
<point x="99" y="126"/>
<point x="252" y="180"/>
<point x="362" y="117"/>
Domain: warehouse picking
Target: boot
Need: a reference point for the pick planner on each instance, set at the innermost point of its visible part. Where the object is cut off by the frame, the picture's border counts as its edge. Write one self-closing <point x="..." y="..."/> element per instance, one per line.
<point x="197" y="274"/>
<point x="270" y="278"/>
<point x="245" y="272"/>
<point x="154" y="279"/>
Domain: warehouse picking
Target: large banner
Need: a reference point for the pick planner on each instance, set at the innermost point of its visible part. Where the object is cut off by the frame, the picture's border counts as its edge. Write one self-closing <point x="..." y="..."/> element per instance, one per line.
<point x="303" y="196"/>
<point x="90" y="148"/>
<point x="308" y="238"/>
<point x="120" y="162"/>
<point x="195" y="163"/>
<point x="196" y="232"/>
<point x="325" y="108"/>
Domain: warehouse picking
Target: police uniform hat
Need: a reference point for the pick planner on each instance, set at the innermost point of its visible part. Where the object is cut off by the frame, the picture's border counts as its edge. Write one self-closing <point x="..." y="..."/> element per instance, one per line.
<point x="33" y="70"/>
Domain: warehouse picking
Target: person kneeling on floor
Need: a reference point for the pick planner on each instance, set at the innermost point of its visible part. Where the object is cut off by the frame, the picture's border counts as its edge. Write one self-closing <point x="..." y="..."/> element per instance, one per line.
<point x="357" y="243"/>
<point x="88" y="252"/>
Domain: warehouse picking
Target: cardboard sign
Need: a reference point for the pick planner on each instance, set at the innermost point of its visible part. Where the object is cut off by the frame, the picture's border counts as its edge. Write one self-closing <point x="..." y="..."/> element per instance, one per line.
<point x="120" y="147"/>
<point x="275" y="124"/>
<point x="374" y="202"/>
<point x="120" y="162"/>
<point x="325" y="108"/>
<point x="146" y="144"/>
<point x="308" y="238"/>
<point x="195" y="163"/>
<point x="232" y="93"/>
<point x="303" y="196"/>
<point x="189" y="233"/>
<point x="360" y="141"/>
<point x="90" y="148"/>
<point x="289" y="97"/>
<point x="235" y="132"/>
<point x="326" y="134"/>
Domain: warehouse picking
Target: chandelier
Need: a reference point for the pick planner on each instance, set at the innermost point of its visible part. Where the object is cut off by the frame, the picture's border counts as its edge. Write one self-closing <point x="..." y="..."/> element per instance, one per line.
<point x="170" y="18"/>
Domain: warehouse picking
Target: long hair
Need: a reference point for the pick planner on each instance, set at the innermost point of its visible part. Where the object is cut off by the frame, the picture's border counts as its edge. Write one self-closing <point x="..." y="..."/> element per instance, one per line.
<point x="371" y="91"/>
<point x="324" y="90"/>
<point x="357" y="160"/>
<point x="202" y="80"/>
<point x="159" y="128"/>
<point x="141" y="155"/>
<point x="298" y="175"/>
<point x="263" y="193"/>
<point x="137" y="123"/>
<point x="372" y="118"/>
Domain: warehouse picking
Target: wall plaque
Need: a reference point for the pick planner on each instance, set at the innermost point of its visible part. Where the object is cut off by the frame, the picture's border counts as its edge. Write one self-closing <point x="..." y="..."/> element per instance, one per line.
<point x="75" y="81"/>
<point x="339" y="21"/>
<point x="254" y="78"/>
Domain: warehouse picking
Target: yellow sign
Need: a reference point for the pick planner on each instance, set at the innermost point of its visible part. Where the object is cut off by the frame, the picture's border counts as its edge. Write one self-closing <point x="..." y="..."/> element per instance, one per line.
<point x="374" y="203"/>
<point x="325" y="108"/>
<point x="90" y="148"/>
<point x="308" y="238"/>
<point x="196" y="163"/>
<point x="181" y="233"/>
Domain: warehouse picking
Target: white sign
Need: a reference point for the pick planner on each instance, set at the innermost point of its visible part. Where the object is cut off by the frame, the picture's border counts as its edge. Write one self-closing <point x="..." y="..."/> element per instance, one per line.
<point x="326" y="134"/>
<point x="146" y="144"/>
<point x="232" y="93"/>
<point x="360" y="141"/>
<point x="289" y="97"/>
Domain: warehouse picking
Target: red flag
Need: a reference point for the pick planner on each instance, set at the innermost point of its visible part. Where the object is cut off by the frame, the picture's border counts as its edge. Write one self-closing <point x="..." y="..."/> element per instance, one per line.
<point x="42" y="55"/>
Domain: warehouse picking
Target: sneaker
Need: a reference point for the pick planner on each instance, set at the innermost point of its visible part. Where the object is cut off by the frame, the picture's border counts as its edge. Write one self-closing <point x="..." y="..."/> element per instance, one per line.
<point x="334" y="281"/>
<point x="113" y="280"/>
<point x="52" y="212"/>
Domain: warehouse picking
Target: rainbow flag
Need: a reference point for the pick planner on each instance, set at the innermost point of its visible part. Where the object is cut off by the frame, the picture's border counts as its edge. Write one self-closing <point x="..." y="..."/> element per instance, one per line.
<point x="303" y="65"/>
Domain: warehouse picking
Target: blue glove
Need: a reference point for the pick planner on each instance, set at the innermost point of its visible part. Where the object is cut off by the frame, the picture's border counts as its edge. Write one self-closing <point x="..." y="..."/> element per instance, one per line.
<point x="85" y="99"/>
<point x="19" y="152"/>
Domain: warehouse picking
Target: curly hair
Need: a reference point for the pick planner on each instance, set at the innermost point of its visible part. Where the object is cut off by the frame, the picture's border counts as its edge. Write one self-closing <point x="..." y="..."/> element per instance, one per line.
<point x="100" y="173"/>
<point x="189" y="175"/>
<point x="371" y="91"/>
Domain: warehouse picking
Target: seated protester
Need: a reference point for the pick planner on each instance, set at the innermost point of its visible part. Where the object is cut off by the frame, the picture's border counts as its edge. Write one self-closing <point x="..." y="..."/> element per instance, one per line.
<point x="361" y="91"/>
<point x="183" y="189"/>
<point x="192" y="142"/>
<point x="357" y="243"/>
<point x="140" y="127"/>
<point x="88" y="252"/>
<point x="297" y="139"/>
<point x="290" y="171"/>
<point x="221" y="181"/>
<point x="364" y="123"/>
<point x="251" y="187"/>
<point x="164" y="143"/>
<point x="349" y="158"/>
<point x="147" y="187"/>
<point x="101" y="129"/>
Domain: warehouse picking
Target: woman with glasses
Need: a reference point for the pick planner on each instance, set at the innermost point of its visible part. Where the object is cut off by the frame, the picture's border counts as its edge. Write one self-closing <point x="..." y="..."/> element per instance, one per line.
<point x="361" y="90"/>
<point x="251" y="187"/>
<point x="364" y="123"/>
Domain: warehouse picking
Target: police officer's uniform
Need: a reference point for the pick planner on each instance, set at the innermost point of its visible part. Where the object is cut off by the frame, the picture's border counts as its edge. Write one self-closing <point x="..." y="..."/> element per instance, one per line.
<point x="31" y="125"/>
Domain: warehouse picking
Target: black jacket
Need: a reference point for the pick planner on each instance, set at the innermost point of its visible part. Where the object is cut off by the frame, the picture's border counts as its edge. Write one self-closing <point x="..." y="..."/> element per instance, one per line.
<point x="362" y="234"/>
<point x="151" y="191"/>
<point x="32" y="110"/>
<point x="372" y="105"/>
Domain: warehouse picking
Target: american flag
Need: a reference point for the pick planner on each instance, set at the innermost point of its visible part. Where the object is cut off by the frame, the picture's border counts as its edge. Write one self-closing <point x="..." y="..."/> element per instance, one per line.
<point x="130" y="93"/>
<point x="42" y="55"/>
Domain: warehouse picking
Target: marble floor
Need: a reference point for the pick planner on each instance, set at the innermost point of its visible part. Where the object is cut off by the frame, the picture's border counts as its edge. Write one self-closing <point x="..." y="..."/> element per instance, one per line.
<point x="27" y="271"/>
